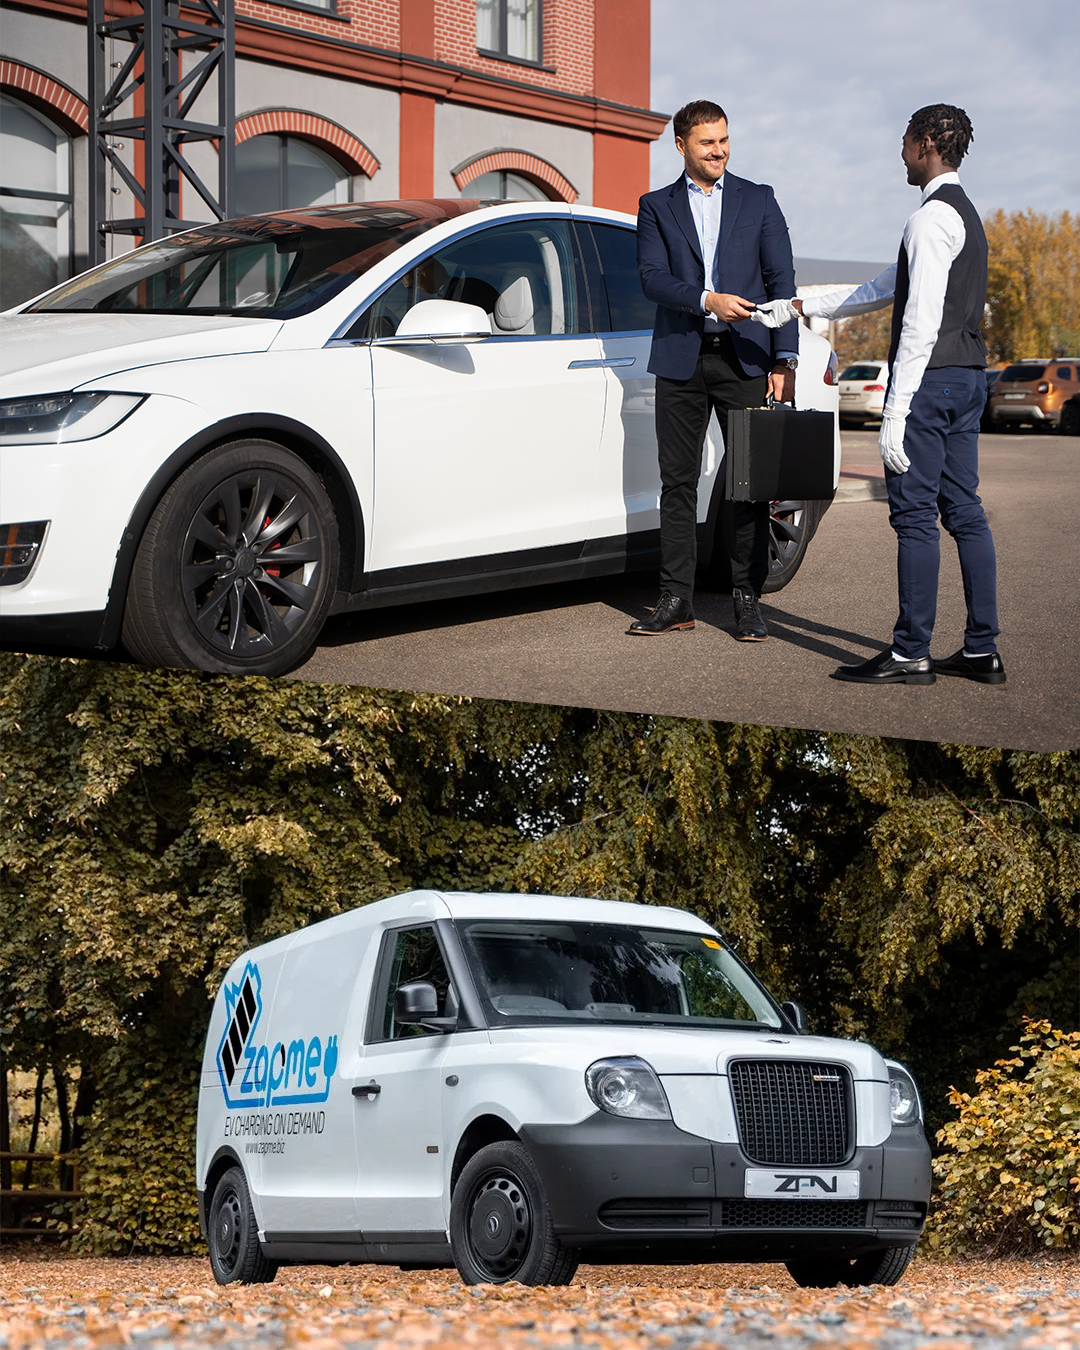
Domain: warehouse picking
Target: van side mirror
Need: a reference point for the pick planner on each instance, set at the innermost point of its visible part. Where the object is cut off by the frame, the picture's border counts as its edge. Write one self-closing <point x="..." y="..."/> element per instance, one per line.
<point x="796" y="1015"/>
<point x="418" y="1005"/>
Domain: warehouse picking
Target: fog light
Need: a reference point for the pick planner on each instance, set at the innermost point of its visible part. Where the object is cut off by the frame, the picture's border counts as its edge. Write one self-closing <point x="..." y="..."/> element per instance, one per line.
<point x="19" y="549"/>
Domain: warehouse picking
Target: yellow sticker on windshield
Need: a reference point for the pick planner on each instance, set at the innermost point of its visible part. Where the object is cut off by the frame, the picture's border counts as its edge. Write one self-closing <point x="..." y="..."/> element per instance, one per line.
<point x="709" y="942"/>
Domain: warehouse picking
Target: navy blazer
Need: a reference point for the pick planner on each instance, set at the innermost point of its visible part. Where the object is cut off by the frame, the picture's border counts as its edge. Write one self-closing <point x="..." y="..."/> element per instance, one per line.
<point x="753" y="260"/>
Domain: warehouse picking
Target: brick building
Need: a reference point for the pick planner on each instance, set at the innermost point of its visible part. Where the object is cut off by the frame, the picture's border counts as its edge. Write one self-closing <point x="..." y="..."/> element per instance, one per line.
<point x="342" y="100"/>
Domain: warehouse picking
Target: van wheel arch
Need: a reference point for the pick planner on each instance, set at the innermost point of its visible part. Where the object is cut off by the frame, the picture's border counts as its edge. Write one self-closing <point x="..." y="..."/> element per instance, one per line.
<point x="484" y="1130"/>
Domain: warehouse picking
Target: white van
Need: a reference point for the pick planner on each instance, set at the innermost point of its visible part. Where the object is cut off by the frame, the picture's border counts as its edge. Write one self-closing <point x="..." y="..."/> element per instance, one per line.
<point x="514" y="1083"/>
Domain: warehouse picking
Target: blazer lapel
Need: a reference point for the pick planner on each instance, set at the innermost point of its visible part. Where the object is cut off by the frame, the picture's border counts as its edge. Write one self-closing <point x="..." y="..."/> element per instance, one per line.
<point x="684" y="217"/>
<point x="728" y="212"/>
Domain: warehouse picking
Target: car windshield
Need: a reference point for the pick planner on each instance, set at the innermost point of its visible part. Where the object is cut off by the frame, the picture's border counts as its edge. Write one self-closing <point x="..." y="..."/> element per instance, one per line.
<point x="530" y="973"/>
<point x="1031" y="371"/>
<point x="271" y="266"/>
<point x="861" y="373"/>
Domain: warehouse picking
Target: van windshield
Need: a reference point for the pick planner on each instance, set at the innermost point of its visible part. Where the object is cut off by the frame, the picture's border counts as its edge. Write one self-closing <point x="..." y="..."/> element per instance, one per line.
<point x="584" y="972"/>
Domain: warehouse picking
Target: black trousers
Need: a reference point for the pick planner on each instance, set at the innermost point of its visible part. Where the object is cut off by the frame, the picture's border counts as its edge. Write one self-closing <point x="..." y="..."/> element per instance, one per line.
<point x="682" y="418"/>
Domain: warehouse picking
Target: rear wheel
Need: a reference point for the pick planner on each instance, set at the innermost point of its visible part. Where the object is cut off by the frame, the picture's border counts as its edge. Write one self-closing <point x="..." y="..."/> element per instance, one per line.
<point x="232" y="1234"/>
<point x="825" y="1272"/>
<point x="1070" y="420"/>
<point x="500" y="1223"/>
<point x="237" y="566"/>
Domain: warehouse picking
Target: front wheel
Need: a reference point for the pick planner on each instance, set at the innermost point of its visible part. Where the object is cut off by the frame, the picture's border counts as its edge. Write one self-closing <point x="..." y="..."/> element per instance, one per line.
<point x="237" y="566"/>
<point x="500" y="1223"/>
<point x="826" y="1272"/>
<point x="232" y="1234"/>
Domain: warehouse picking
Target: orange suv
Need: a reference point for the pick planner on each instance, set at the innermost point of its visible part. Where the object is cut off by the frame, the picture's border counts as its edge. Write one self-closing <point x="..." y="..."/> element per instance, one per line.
<point x="1033" y="392"/>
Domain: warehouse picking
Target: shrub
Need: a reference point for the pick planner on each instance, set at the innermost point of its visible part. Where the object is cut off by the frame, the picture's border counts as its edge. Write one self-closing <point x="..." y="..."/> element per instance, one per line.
<point x="1009" y="1172"/>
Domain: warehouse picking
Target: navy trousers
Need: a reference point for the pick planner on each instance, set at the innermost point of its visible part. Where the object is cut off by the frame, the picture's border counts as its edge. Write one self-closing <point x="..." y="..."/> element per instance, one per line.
<point x="941" y="438"/>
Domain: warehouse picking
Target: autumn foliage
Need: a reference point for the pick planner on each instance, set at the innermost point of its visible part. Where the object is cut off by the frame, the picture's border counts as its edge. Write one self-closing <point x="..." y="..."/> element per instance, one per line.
<point x="1009" y="1176"/>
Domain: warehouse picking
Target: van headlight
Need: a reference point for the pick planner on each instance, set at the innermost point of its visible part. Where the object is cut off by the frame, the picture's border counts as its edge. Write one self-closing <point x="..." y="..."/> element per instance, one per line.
<point x="627" y="1087"/>
<point x="904" y="1105"/>
<point x="49" y="419"/>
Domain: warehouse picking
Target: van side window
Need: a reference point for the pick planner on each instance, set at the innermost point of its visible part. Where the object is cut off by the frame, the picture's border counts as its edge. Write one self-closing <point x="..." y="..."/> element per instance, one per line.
<point x="416" y="956"/>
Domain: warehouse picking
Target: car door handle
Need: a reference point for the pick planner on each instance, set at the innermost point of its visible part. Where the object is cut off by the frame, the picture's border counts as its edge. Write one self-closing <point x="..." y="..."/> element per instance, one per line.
<point x="366" y="1090"/>
<point x="604" y="361"/>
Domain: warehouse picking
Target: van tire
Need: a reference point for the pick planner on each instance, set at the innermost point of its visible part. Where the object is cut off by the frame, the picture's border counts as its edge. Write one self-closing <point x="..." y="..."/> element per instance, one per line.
<point x="826" y="1272"/>
<point x="233" y="1235"/>
<point x="500" y="1222"/>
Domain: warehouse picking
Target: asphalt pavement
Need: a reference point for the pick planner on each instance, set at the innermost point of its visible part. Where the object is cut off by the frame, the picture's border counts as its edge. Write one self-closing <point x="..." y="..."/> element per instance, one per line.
<point x="566" y="644"/>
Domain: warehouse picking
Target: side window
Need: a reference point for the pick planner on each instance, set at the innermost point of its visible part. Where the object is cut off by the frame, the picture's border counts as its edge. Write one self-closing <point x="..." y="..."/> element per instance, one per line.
<point x="630" y="311"/>
<point x="522" y="275"/>
<point x="416" y="956"/>
<point x="1064" y="373"/>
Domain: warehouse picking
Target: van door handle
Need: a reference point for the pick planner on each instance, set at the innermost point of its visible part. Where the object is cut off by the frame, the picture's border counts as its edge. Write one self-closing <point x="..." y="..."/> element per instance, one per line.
<point x="371" y="1089"/>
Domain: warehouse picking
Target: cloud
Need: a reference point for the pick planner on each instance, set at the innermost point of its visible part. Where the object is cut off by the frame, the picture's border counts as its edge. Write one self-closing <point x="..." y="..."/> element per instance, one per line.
<point x="818" y="95"/>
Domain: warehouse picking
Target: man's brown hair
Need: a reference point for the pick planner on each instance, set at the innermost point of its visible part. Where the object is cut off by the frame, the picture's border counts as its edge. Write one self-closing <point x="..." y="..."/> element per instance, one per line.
<point x="694" y="114"/>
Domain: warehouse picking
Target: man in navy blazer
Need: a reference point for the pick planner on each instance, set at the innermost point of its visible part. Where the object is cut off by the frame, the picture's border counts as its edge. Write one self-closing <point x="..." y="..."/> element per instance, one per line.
<point x="711" y="247"/>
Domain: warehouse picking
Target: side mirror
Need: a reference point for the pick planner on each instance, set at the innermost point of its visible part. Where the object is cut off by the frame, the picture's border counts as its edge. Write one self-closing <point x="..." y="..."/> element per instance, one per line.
<point x="439" y="321"/>
<point x="796" y="1015"/>
<point x="418" y="1005"/>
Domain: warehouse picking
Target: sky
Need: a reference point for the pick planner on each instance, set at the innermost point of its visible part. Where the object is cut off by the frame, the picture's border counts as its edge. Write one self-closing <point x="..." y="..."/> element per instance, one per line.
<point x="818" y="93"/>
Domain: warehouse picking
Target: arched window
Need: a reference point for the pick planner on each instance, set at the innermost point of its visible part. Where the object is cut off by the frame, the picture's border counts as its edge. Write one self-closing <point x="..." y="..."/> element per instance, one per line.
<point x="511" y="187"/>
<point x="35" y="202"/>
<point x="274" y="172"/>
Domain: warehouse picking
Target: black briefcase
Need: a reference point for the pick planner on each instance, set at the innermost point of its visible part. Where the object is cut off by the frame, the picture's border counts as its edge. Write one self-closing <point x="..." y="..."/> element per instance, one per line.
<point x="779" y="454"/>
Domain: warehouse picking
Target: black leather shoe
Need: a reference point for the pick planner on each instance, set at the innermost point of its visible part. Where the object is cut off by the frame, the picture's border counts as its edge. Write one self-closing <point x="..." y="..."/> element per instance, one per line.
<point x="985" y="669"/>
<point x="885" y="669"/>
<point x="670" y="615"/>
<point x="749" y="625"/>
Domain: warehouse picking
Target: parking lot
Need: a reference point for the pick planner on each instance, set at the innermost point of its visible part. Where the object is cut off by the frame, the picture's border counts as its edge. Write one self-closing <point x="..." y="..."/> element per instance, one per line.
<point x="566" y="644"/>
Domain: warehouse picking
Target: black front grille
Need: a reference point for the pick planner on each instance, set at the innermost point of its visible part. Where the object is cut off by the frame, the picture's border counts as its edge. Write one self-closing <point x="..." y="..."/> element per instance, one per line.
<point x="677" y="1213"/>
<point x="792" y="1113"/>
<point x="793" y="1213"/>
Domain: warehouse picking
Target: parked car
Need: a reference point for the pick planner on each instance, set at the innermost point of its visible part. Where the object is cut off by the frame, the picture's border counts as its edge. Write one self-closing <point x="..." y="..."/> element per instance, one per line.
<point x="1070" y="416"/>
<point x="1032" y="393"/>
<point x="514" y="1083"/>
<point x="215" y="441"/>
<point x="862" y="390"/>
<point x="986" y="422"/>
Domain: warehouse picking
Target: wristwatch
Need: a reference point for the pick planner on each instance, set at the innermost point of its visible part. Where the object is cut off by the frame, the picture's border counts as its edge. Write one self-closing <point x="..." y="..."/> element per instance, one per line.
<point x="792" y="362"/>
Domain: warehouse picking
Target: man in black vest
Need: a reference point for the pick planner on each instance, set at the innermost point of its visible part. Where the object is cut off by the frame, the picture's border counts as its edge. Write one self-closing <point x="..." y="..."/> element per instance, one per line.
<point x="930" y="428"/>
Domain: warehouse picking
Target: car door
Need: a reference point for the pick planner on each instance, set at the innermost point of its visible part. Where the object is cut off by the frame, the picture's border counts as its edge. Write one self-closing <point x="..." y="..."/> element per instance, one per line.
<point x="627" y="496"/>
<point x="398" y="1119"/>
<point x="485" y="452"/>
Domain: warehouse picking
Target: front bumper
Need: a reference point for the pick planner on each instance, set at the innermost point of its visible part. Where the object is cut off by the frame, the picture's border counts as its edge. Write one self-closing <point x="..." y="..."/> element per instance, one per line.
<point x="645" y="1190"/>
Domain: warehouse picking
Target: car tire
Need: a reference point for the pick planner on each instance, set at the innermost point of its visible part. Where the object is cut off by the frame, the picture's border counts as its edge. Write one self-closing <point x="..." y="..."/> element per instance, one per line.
<point x="791" y="527"/>
<point x="1070" y="420"/>
<point x="826" y="1272"/>
<point x="500" y="1222"/>
<point x="202" y="593"/>
<point x="232" y="1234"/>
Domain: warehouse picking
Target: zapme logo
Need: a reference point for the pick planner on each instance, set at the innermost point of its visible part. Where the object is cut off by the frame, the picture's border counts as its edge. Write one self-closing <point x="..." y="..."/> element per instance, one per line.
<point x="254" y="1074"/>
<point x="792" y="1183"/>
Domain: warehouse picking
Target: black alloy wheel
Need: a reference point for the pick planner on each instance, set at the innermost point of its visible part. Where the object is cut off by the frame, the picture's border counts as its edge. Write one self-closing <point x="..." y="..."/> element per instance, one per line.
<point x="500" y="1224"/>
<point x="237" y="566"/>
<point x="791" y="526"/>
<point x="232" y="1234"/>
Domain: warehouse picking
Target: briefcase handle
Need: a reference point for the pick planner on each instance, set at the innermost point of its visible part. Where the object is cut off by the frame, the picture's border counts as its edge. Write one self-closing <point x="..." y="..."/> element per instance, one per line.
<point x="771" y="403"/>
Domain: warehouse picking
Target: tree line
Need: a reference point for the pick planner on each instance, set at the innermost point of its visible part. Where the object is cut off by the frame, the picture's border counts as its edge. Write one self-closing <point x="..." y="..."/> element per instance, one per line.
<point x="1032" y="294"/>
<point x="156" y="824"/>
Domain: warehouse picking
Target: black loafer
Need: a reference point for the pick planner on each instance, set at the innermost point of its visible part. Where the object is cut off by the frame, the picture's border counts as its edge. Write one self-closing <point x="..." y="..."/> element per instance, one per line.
<point x="749" y="625"/>
<point x="985" y="669"/>
<point x="671" y="615"/>
<point x="885" y="669"/>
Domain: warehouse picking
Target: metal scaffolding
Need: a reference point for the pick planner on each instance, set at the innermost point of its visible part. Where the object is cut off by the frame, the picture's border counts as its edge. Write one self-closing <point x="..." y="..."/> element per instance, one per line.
<point x="146" y="100"/>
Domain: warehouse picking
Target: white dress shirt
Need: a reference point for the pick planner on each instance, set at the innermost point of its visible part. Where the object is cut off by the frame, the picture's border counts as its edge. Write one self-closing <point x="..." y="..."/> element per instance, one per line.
<point x="933" y="238"/>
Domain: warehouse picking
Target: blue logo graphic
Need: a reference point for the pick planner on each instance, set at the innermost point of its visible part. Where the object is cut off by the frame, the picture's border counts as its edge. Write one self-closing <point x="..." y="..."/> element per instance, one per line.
<point x="252" y="1074"/>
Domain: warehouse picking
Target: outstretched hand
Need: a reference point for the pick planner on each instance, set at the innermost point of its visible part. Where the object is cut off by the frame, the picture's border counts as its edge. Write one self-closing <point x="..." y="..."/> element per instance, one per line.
<point x="775" y="313"/>
<point x="730" y="308"/>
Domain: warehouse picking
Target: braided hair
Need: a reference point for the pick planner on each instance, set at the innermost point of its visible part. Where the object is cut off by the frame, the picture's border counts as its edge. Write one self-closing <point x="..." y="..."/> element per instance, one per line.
<point x="948" y="127"/>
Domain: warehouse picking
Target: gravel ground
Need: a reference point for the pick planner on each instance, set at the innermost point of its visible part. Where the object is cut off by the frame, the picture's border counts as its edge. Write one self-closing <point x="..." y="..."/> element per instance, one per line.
<point x="48" y="1303"/>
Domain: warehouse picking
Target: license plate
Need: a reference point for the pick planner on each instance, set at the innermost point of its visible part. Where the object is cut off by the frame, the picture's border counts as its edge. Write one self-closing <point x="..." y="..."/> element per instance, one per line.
<point x="849" y="396"/>
<point x="1016" y="395"/>
<point x="801" y="1184"/>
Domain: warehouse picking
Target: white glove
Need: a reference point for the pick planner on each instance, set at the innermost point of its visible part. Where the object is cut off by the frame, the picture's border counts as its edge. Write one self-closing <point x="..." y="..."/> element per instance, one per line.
<point x="891" y="442"/>
<point x="775" y="313"/>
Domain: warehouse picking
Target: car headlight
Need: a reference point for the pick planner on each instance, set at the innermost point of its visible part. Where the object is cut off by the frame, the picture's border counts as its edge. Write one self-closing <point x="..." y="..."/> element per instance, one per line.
<point x="627" y="1087"/>
<point x="49" y="419"/>
<point x="904" y="1105"/>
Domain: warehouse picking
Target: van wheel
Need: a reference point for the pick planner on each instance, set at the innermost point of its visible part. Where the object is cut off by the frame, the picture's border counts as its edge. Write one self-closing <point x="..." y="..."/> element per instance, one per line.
<point x="233" y="1237"/>
<point x="500" y="1223"/>
<point x="825" y="1272"/>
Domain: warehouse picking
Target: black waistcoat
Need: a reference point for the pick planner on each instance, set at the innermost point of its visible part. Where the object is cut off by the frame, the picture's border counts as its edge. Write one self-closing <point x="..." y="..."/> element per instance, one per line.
<point x="959" y="342"/>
